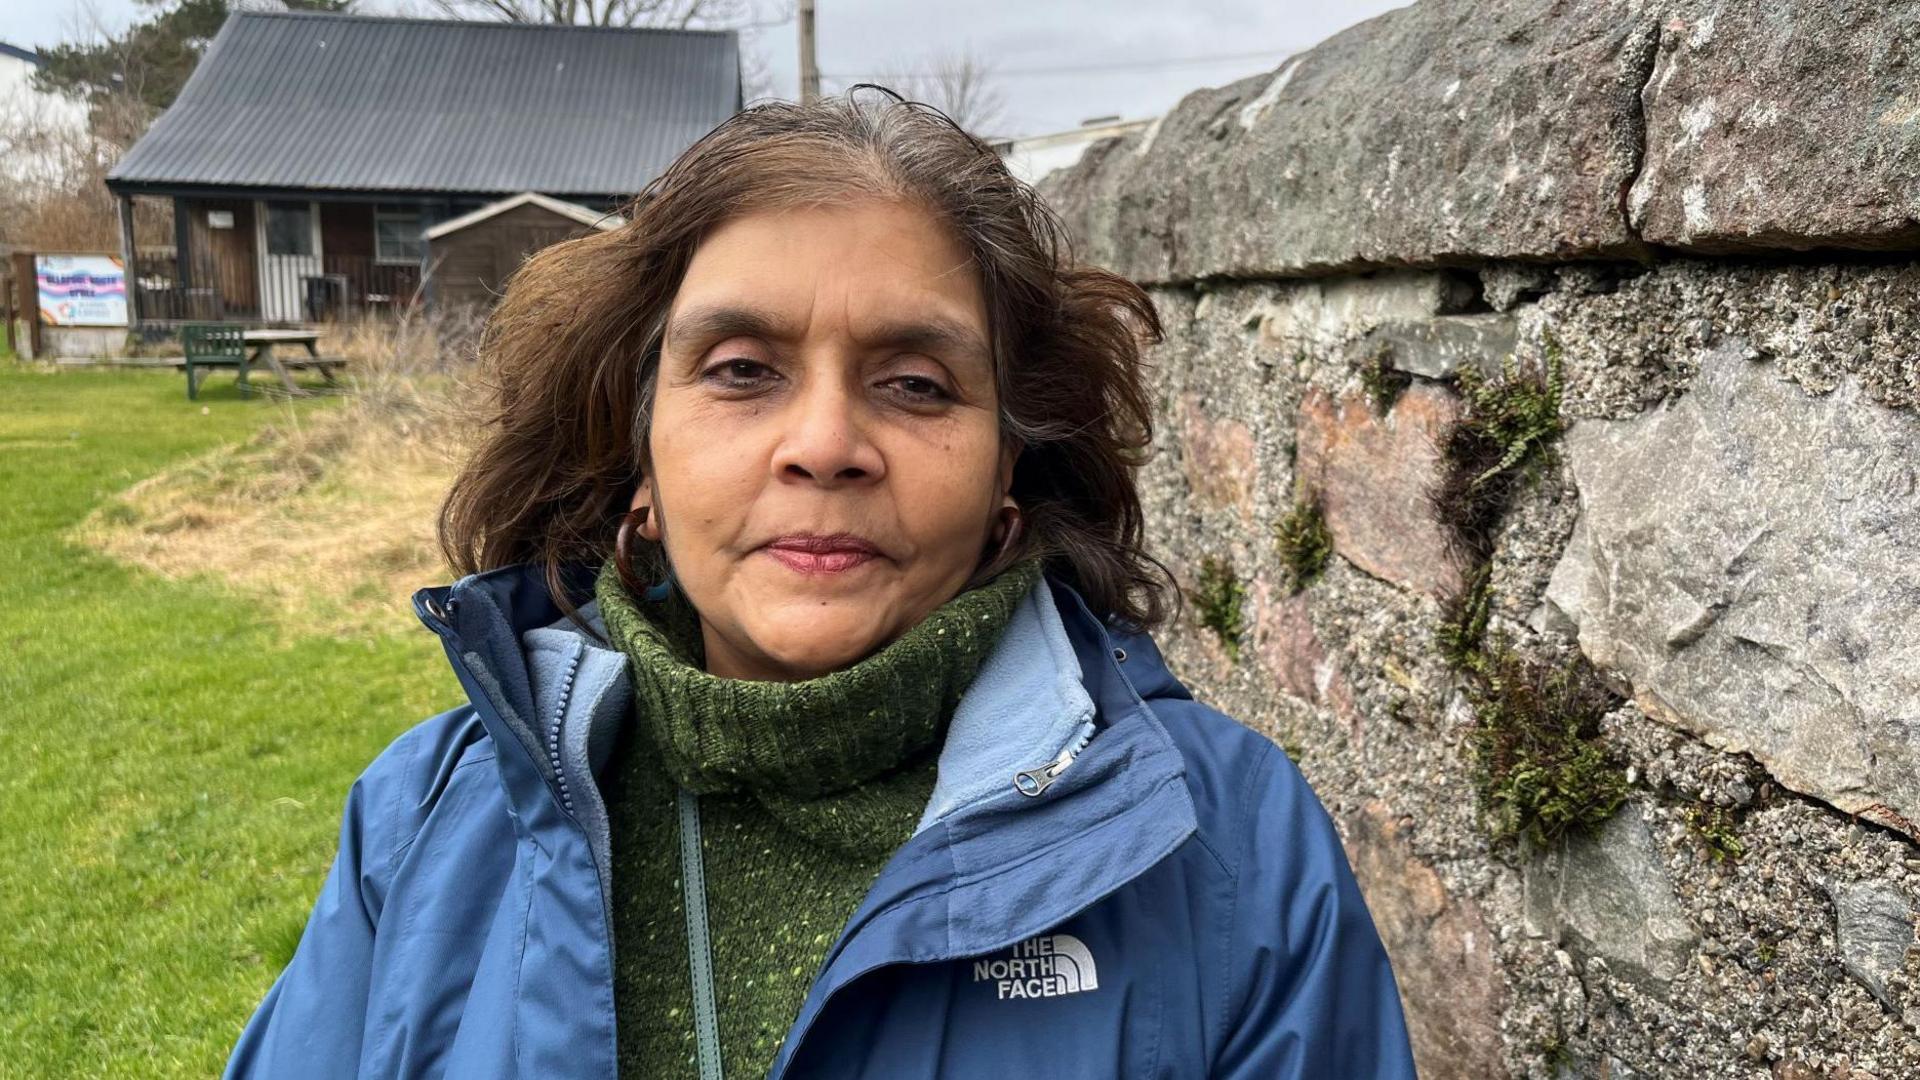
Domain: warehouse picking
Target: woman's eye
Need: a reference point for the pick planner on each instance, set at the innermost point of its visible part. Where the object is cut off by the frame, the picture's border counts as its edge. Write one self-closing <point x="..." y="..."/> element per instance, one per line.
<point x="739" y="372"/>
<point x="920" y="387"/>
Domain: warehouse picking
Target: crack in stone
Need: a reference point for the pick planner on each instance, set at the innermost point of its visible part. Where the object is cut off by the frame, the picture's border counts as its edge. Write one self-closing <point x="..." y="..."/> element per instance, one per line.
<point x="1640" y="55"/>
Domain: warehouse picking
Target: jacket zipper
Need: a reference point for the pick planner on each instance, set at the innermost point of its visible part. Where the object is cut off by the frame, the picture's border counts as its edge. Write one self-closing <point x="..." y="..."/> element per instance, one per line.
<point x="442" y="614"/>
<point x="553" y="729"/>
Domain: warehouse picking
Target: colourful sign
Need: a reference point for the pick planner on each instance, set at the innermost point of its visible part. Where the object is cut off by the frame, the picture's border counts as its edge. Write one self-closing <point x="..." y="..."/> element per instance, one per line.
<point x="81" y="290"/>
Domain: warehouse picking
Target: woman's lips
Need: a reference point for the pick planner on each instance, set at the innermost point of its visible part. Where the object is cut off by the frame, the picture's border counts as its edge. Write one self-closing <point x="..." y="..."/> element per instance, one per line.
<point x="821" y="554"/>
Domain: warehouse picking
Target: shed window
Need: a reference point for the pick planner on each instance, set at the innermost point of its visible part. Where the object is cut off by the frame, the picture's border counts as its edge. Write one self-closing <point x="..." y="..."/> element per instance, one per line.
<point x="396" y="235"/>
<point x="289" y="228"/>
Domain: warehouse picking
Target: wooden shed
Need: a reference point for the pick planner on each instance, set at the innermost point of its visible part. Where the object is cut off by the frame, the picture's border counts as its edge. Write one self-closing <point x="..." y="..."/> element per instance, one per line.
<point x="309" y="154"/>
<point x="473" y="254"/>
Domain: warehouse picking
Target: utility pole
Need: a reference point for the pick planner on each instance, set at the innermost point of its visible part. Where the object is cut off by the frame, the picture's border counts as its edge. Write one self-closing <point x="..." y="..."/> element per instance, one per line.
<point x="809" y="70"/>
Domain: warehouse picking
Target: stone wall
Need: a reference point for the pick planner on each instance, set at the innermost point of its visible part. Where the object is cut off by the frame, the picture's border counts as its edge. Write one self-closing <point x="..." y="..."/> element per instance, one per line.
<point x="1706" y="218"/>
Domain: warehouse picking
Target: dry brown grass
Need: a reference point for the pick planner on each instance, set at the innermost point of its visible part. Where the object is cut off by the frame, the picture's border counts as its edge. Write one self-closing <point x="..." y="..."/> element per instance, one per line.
<point x="326" y="517"/>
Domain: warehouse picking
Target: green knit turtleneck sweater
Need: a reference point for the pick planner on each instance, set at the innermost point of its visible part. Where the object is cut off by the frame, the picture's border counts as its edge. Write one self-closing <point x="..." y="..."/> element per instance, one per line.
<point x="806" y="789"/>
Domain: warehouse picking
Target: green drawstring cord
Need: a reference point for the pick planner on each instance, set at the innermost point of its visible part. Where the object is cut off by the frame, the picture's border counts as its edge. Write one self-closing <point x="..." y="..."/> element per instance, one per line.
<point x="693" y="880"/>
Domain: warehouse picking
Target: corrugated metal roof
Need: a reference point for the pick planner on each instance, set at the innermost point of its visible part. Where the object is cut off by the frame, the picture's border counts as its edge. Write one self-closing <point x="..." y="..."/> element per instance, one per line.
<point x="348" y="102"/>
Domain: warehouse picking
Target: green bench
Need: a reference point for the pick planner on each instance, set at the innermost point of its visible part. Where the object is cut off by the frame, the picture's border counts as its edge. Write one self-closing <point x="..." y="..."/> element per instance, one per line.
<point x="230" y="345"/>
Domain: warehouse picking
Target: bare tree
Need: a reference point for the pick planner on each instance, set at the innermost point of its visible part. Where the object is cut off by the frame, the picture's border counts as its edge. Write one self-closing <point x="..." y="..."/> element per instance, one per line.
<point x="668" y="14"/>
<point x="960" y="84"/>
<point x="756" y="70"/>
<point x="59" y="136"/>
<point x="52" y="171"/>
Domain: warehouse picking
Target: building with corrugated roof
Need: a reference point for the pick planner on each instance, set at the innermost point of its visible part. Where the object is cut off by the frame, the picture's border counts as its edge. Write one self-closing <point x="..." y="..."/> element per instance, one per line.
<point x="309" y="154"/>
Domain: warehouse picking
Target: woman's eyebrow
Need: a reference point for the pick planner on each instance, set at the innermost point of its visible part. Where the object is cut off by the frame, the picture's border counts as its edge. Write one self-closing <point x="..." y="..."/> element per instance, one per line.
<point x="714" y="323"/>
<point x="934" y="334"/>
<point x="929" y="333"/>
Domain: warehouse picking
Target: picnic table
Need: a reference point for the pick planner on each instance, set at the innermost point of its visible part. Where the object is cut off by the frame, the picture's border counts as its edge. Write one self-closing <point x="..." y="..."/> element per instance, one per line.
<point x="226" y="345"/>
<point x="261" y="343"/>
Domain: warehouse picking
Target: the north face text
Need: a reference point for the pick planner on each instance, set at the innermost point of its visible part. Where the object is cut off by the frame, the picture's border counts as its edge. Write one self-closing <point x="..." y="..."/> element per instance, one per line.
<point x="1046" y="966"/>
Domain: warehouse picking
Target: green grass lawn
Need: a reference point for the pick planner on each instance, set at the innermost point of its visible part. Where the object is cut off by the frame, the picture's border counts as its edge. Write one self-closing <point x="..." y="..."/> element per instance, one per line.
<point x="174" y="768"/>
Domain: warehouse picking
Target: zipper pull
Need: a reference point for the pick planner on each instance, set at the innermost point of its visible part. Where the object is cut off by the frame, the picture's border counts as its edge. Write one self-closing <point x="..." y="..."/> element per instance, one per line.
<point x="1032" y="782"/>
<point x="1035" y="781"/>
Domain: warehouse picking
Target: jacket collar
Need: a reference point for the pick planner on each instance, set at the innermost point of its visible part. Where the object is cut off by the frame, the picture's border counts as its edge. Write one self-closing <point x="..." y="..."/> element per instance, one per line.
<point x="479" y="620"/>
<point x="526" y="668"/>
<point x="979" y="876"/>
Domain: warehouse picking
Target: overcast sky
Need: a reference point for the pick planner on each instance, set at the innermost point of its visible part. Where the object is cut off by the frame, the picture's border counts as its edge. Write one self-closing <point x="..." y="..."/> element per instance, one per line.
<point x="1056" y="62"/>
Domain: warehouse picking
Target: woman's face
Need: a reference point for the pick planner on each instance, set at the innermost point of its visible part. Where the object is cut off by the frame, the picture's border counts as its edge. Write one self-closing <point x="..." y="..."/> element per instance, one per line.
<point x="827" y="462"/>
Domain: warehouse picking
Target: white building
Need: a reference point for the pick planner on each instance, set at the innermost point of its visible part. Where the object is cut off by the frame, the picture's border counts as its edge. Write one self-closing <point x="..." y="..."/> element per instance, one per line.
<point x="33" y="124"/>
<point x="1035" y="156"/>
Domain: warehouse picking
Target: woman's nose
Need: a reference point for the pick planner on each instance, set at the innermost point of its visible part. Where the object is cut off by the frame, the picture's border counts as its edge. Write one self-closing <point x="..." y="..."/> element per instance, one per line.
<point x="826" y="439"/>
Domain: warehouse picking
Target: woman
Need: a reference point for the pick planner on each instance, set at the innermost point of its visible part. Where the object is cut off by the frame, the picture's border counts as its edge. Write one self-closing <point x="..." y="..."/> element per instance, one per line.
<point x="814" y="725"/>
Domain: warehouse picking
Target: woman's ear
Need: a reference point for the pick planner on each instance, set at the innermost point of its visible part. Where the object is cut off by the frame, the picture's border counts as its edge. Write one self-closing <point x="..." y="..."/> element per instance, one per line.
<point x="1009" y="453"/>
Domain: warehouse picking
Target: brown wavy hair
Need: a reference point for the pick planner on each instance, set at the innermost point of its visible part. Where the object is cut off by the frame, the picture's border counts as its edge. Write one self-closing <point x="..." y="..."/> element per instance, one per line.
<point x="572" y="349"/>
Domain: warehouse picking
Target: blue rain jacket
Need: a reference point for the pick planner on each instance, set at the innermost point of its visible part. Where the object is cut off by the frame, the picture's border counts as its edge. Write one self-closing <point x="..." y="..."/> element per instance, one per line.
<point x="1111" y="880"/>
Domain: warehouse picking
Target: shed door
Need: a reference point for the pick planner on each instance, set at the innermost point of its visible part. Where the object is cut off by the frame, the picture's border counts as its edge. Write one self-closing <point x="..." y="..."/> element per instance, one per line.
<point x="289" y="246"/>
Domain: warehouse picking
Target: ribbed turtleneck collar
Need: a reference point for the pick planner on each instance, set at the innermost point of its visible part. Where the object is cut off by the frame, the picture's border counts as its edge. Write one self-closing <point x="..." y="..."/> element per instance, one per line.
<point x="809" y="738"/>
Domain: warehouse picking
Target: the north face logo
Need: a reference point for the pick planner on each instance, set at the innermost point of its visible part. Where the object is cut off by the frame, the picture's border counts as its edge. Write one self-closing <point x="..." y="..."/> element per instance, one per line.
<point x="1044" y="966"/>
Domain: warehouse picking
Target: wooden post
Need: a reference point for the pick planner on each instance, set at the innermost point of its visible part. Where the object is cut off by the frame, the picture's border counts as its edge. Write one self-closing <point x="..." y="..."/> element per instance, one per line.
<point x="8" y="282"/>
<point x="127" y="250"/>
<point x="183" y="246"/>
<point x="29" y="288"/>
<point x="809" y="70"/>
